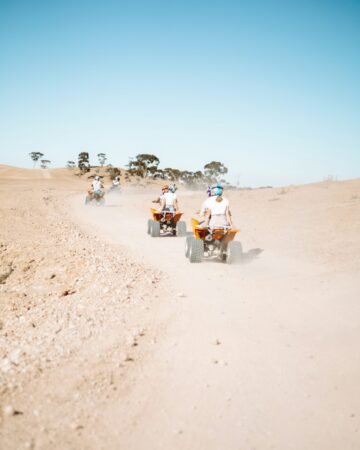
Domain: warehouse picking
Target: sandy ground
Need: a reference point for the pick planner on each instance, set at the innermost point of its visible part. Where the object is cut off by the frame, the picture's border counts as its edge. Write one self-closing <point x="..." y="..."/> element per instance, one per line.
<point x="111" y="339"/>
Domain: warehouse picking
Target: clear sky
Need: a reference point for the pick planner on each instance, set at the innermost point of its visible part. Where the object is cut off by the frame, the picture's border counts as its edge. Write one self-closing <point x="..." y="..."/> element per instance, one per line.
<point x="269" y="88"/>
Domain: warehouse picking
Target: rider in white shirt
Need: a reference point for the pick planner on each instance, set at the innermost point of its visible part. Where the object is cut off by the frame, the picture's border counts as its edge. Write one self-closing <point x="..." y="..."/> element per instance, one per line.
<point x="168" y="200"/>
<point x="97" y="184"/>
<point x="216" y="209"/>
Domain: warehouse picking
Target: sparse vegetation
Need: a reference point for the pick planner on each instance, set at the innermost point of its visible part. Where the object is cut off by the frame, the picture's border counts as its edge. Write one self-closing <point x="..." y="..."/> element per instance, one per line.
<point x="83" y="162"/>
<point x="146" y="165"/>
<point x="45" y="163"/>
<point x="113" y="171"/>
<point x="102" y="158"/>
<point x="70" y="164"/>
<point x="214" y="169"/>
<point x="35" y="156"/>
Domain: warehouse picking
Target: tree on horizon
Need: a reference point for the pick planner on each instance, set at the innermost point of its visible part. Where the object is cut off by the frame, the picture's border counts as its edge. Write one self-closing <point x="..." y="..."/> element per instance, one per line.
<point x="83" y="162"/>
<point x="45" y="163"/>
<point x="214" y="169"/>
<point x="172" y="174"/>
<point x="143" y="165"/>
<point x="35" y="156"/>
<point x="102" y="158"/>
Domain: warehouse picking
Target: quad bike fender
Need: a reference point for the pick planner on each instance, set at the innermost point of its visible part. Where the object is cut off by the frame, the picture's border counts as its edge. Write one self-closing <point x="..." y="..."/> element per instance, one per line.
<point x="230" y="235"/>
<point x="157" y="216"/>
<point x="200" y="232"/>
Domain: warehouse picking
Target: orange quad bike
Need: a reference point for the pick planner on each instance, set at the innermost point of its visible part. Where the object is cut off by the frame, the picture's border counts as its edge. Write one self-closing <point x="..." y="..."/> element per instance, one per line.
<point x="166" y="223"/>
<point x="212" y="243"/>
<point x="97" y="198"/>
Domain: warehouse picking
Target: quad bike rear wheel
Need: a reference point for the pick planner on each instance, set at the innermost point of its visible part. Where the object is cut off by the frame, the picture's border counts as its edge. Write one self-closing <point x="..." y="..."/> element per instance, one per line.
<point x="149" y="224"/>
<point x="196" y="252"/>
<point x="155" y="229"/>
<point x="233" y="252"/>
<point x="181" y="228"/>
<point x="188" y="242"/>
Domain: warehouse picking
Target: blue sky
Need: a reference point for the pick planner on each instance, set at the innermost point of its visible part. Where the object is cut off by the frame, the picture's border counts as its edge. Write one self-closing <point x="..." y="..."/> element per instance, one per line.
<point x="269" y="88"/>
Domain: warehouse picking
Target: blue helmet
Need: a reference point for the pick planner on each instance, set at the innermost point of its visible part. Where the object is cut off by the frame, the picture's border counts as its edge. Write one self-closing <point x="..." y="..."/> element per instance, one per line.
<point x="172" y="188"/>
<point x="216" y="189"/>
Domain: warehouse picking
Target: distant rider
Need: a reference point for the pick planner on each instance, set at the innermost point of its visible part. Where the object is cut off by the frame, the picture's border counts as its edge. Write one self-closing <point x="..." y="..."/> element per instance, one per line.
<point x="115" y="183"/>
<point x="168" y="200"/>
<point x="97" y="186"/>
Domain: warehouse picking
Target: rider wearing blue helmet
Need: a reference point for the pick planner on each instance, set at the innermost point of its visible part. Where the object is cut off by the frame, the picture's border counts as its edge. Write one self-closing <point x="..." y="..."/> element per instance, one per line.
<point x="216" y="208"/>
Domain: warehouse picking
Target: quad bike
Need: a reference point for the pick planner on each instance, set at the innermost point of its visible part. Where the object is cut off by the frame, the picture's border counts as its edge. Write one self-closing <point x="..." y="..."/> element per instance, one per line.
<point x="97" y="197"/>
<point x="166" y="222"/>
<point x="114" y="189"/>
<point x="212" y="242"/>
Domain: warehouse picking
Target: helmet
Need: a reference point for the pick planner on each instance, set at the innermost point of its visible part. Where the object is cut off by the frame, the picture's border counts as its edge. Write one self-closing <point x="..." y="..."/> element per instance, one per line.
<point x="172" y="188"/>
<point x="97" y="177"/>
<point x="216" y="189"/>
<point x="165" y="187"/>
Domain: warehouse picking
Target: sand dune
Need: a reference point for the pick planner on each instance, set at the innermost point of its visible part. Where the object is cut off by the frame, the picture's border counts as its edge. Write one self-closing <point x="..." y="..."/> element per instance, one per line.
<point x="112" y="339"/>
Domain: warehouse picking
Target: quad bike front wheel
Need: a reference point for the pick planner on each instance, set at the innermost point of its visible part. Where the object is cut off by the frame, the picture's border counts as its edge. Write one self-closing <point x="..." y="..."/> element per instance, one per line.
<point x="196" y="252"/>
<point x="233" y="252"/>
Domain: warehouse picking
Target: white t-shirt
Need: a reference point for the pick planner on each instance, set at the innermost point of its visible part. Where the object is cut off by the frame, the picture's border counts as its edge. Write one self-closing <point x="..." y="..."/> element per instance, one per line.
<point x="97" y="185"/>
<point x="214" y="206"/>
<point x="169" y="198"/>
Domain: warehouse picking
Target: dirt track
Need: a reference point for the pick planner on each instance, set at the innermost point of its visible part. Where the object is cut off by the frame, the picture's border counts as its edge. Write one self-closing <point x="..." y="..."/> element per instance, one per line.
<point x="158" y="353"/>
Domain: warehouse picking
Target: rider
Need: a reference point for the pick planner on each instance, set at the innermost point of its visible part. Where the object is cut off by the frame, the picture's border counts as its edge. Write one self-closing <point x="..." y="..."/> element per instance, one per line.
<point x="97" y="185"/>
<point x="168" y="200"/>
<point x="115" y="182"/>
<point x="216" y="208"/>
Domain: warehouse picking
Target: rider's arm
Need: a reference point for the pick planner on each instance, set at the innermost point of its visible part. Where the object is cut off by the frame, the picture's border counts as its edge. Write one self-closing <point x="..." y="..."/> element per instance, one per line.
<point x="228" y="216"/>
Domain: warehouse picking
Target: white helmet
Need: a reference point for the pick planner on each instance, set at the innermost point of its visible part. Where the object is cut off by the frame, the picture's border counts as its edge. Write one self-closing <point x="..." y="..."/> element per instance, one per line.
<point x="97" y="177"/>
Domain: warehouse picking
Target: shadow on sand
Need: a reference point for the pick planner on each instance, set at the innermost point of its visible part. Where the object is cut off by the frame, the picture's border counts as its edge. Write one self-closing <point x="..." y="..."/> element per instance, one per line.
<point x="250" y="255"/>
